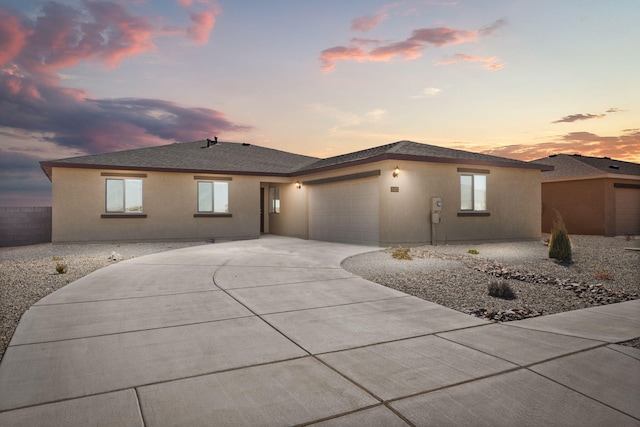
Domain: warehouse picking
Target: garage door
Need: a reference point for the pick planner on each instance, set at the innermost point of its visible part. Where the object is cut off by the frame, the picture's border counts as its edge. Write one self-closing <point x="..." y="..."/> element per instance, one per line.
<point x="345" y="212"/>
<point x="627" y="211"/>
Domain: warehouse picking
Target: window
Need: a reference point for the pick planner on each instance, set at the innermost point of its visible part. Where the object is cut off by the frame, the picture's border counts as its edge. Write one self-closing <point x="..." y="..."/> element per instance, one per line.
<point x="473" y="192"/>
<point x="274" y="200"/>
<point x="213" y="197"/>
<point x="124" y="196"/>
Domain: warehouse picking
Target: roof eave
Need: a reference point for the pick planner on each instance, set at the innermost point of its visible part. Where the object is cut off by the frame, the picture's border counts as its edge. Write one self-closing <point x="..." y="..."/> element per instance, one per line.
<point x="47" y="167"/>
<point x="425" y="159"/>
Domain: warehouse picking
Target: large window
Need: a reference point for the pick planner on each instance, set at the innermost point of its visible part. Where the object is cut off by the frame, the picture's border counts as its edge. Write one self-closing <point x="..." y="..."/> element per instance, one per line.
<point x="213" y="197"/>
<point x="274" y="200"/>
<point x="473" y="192"/>
<point x="124" y="196"/>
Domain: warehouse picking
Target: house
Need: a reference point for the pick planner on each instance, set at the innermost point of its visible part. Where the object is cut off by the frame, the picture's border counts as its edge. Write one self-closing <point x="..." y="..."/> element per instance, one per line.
<point x="594" y="195"/>
<point x="401" y="193"/>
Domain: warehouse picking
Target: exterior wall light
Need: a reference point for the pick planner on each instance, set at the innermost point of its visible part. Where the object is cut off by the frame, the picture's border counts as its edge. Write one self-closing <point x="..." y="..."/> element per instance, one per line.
<point x="396" y="172"/>
<point x="298" y="185"/>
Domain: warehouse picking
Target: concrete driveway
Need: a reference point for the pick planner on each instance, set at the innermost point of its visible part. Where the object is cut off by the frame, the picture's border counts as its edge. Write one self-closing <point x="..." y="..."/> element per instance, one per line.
<point x="274" y="332"/>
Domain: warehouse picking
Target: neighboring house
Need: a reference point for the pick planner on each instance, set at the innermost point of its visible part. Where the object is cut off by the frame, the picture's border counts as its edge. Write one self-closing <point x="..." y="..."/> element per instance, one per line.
<point x="593" y="195"/>
<point x="220" y="190"/>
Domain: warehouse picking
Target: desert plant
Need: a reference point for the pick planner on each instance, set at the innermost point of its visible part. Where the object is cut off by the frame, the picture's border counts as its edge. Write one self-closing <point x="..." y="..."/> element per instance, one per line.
<point x="401" y="253"/>
<point x="559" y="244"/>
<point x="473" y="252"/>
<point x="501" y="289"/>
<point x="61" y="267"/>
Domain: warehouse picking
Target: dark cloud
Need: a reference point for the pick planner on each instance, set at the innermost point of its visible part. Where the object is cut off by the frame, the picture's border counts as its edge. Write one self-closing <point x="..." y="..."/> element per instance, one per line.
<point x="98" y="125"/>
<point x="575" y="117"/>
<point x="22" y="181"/>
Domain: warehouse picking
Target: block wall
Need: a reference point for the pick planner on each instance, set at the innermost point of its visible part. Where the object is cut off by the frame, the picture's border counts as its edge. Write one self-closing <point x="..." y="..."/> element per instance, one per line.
<point x="20" y="226"/>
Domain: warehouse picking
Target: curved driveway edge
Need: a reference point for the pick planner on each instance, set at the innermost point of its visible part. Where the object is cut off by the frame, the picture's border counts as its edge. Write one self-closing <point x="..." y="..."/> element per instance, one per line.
<point x="273" y="332"/>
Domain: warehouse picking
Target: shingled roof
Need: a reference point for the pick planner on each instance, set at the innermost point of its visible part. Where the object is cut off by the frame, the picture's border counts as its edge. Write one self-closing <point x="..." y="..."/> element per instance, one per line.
<point x="409" y="150"/>
<point x="197" y="156"/>
<point x="247" y="159"/>
<point x="574" y="165"/>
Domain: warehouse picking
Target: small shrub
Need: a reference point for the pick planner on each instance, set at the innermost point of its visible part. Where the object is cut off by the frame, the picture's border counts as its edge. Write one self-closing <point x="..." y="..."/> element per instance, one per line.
<point x="501" y="289"/>
<point x="57" y="258"/>
<point x="61" y="267"/>
<point x="603" y="274"/>
<point x="559" y="245"/>
<point x="473" y="252"/>
<point x="401" y="253"/>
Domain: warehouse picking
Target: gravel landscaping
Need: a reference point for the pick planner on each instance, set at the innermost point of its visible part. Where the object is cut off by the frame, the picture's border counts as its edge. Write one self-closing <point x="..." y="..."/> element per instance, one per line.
<point x="603" y="272"/>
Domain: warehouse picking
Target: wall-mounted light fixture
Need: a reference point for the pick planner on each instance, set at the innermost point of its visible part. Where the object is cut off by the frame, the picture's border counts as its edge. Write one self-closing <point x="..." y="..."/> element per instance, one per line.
<point x="298" y="185"/>
<point x="396" y="172"/>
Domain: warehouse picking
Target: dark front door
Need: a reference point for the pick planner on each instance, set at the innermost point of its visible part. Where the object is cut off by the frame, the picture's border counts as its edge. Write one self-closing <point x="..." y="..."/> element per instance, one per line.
<point x="262" y="210"/>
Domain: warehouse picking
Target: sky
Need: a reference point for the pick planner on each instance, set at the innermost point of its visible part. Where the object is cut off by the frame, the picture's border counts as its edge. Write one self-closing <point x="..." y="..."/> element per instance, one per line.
<point x="521" y="79"/>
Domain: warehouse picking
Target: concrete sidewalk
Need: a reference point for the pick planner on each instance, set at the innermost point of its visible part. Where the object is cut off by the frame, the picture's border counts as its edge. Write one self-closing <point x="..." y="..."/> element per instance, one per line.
<point x="274" y="332"/>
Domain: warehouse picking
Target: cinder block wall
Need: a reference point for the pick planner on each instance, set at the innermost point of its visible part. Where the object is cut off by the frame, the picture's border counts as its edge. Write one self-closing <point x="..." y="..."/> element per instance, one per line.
<point x="21" y="226"/>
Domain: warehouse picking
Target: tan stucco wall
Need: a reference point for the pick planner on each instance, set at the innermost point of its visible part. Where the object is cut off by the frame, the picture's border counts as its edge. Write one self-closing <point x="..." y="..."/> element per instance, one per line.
<point x="169" y="201"/>
<point x="293" y="219"/>
<point x="513" y="200"/>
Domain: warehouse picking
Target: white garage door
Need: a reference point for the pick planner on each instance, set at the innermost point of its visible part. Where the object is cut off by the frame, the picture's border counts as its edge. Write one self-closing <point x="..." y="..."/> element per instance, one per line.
<point x="627" y="211"/>
<point x="345" y="212"/>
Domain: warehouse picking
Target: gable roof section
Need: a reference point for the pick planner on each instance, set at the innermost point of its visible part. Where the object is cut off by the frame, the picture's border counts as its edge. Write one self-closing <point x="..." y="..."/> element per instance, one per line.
<point x="575" y="165"/>
<point x="247" y="159"/>
<point x="409" y="150"/>
<point x="222" y="157"/>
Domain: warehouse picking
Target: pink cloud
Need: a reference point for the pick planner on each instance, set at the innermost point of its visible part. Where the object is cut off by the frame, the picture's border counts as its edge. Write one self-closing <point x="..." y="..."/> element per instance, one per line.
<point x="411" y="48"/>
<point x="202" y="24"/>
<point x="369" y="22"/>
<point x="13" y="37"/>
<point x="490" y="61"/>
<point x="366" y="23"/>
<point x="330" y="56"/>
<point x="407" y="49"/>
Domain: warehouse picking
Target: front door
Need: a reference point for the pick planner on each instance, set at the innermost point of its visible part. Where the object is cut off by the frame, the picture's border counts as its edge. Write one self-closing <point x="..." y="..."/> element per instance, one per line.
<point x="262" y="210"/>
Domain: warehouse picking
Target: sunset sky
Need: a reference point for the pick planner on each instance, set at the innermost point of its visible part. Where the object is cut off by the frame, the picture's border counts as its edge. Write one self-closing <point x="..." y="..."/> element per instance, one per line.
<point x="515" y="78"/>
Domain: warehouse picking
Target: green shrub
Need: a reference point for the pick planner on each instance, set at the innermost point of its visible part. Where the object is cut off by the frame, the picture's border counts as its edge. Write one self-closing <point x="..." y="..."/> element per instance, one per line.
<point x="61" y="267"/>
<point x="559" y="244"/>
<point x="401" y="253"/>
<point x="501" y="289"/>
<point x="473" y="252"/>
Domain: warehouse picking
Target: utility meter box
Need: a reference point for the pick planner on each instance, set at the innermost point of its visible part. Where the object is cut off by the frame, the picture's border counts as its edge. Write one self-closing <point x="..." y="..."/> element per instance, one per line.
<point x="436" y="208"/>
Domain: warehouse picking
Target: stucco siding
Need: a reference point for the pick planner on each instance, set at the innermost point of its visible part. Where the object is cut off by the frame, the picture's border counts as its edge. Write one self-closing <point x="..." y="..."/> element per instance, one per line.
<point x="580" y="203"/>
<point x="513" y="205"/>
<point x="169" y="203"/>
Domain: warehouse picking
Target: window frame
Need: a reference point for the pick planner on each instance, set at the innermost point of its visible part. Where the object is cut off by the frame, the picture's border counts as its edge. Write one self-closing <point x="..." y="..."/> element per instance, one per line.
<point x="213" y="210"/>
<point x="474" y="193"/>
<point x="274" y="200"/>
<point x="126" y="210"/>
